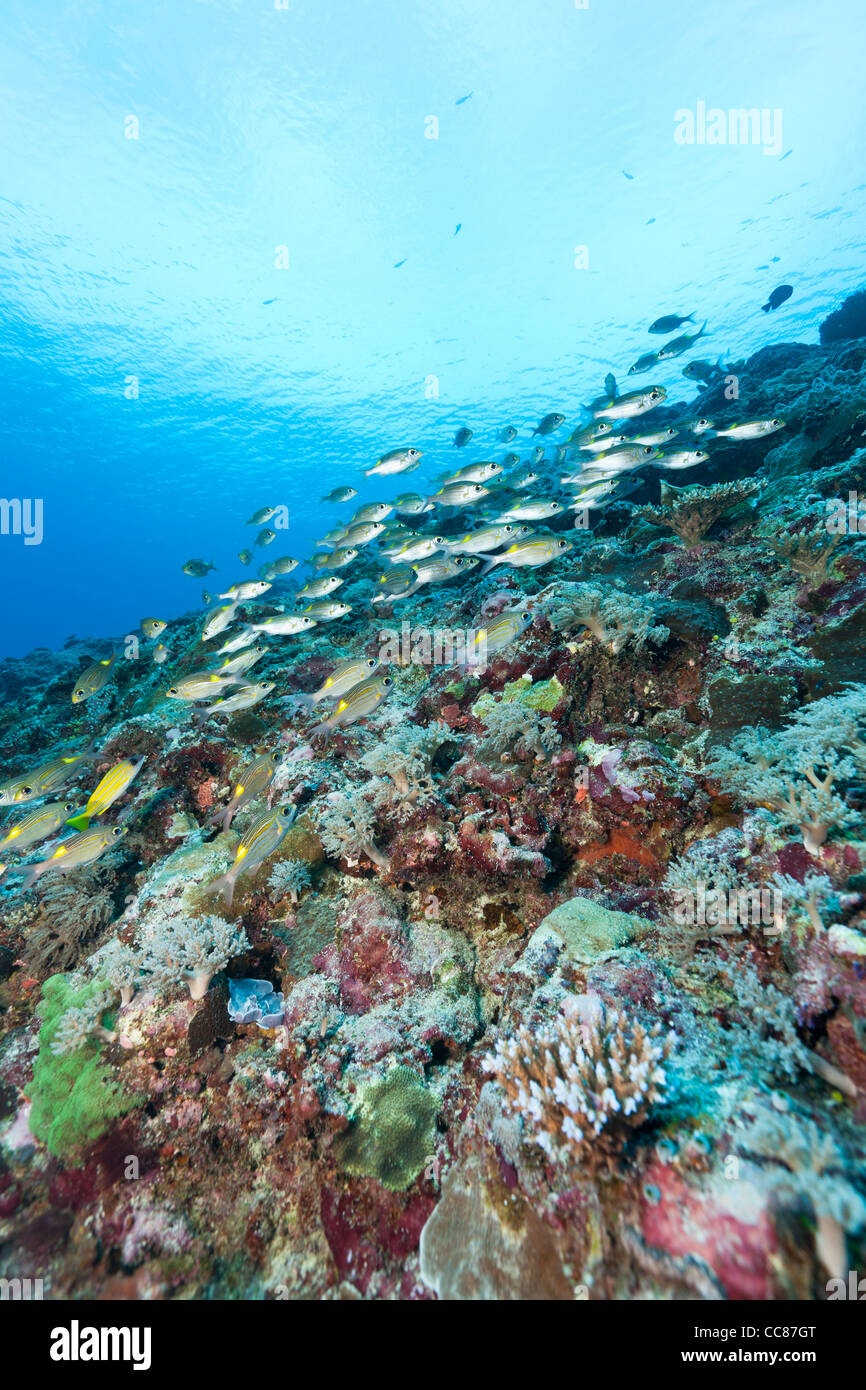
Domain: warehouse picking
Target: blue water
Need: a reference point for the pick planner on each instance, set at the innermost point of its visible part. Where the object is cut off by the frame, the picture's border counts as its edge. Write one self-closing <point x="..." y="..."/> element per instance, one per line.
<point x="306" y="128"/>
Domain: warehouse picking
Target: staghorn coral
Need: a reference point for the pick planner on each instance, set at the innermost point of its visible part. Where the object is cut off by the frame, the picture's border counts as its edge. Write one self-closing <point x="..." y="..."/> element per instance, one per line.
<point x="690" y="511"/>
<point x="176" y="947"/>
<point x="614" y="618"/>
<point x="581" y="1083"/>
<point x="797" y="771"/>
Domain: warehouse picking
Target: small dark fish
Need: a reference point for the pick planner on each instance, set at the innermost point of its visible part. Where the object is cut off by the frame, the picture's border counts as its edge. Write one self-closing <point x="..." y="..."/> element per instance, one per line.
<point x="507" y="434"/>
<point x="460" y="100"/>
<point x="269" y="301"/>
<point x="627" y="176"/>
<point x="457" y="228"/>
<point x="702" y="370"/>
<point x="650" y="221"/>
<point x="549" y="424"/>
<point x="197" y="568"/>
<point x="779" y="295"/>
<point x="462" y="438"/>
<point x="397" y="264"/>
<point x="785" y="156"/>
<point x="669" y="323"/>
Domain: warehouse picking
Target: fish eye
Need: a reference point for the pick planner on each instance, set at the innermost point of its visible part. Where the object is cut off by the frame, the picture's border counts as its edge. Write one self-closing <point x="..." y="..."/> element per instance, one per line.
<point x="775" y="422"/>
<point x="118" y="830"/>
<point x="172" y="690"/>
<point x="371" y="662"/>
<point x="387" y="681"/>
<point x="526" y="617"/>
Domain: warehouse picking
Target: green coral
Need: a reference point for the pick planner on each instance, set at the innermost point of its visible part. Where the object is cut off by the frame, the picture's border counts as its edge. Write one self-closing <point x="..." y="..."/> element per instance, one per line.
<point x="391" y="1134"/>
<point x="538" y="695"/>
<point x="75" y="1097"/>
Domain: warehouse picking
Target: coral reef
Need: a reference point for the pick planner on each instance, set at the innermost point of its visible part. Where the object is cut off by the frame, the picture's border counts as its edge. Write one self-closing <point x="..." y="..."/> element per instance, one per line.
<point x="555" y="984"/>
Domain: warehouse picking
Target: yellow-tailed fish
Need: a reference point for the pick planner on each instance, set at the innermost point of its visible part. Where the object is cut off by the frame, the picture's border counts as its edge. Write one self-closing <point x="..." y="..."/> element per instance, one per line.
<point x="282" y="566"/>
<point x="320" y="588"/>
<point x="373" y="511"/>
<point x="43" y="779"/>
<point x="262" y="838"/>
<point x="396" y="461"/>
<point x="633" y="403"/>
<point x="459" y="495"/>
<point x="532" y="509"/>
<point x="152" y="627"/>
<point x="394" y="584"/>
<point x="282" y="625"/>
<point x="91" y="681"/>
<point x="419" y="549"/>
<point x="495" y="636"/>
<point x="218" y="620"/>
<point x="36" y="826"/>
<point x="338" y="559"/>
<point x="244" y="661"/>
<point x="107" y="791"/>
<point x="529" y="553"/>
<point x="201" y="685"/>
<point x="327" y="610"/>
<point x="342" y="679"/>
<point x="751" y="429"/>
<point x="251" y="588"/>
<point x="363" y="533"/>
<point x="248" y="695"/>
<point x="340" y="494"/>
<point x="682" y="458"/>
<point x="354" y="705"/>
<point x="261" y="516"/>
<point x="83" y="848"/>
<point x="252" y="782"/>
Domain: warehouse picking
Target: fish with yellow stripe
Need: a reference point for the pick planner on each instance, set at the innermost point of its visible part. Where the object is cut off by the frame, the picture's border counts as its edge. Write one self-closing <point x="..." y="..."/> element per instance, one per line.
<point x="355" y="705"/>
<point x="106" y="792"/>
<point x="529" y="553"/>
<point x="342" y="679"/>
<point x="250" y="693"/>
<point x="91" y="681"/>
<point x="201" y="685"/>
<point x="36" y="826"/>
<point x="253" y="781"/>
<point x="44" y="779"/>
<point x="495" y="636"/>
<point x="84" y="848"/>
<point x="262" y="838"/>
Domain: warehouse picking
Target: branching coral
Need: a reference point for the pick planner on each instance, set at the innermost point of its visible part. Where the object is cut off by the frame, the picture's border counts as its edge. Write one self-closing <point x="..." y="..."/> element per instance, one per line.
<point x="78" y="1024"/>
<point x="289" y="877"/>
<point x="613" y="617"/>
<point x="813" y="1166"/>
<point x="405" y="757"/>
<point x="347" y="827"/>
<point x="582" y="1082"/>
<point x="809" y="552"/>
<point x="512" y="728"/>
<point x="120" y="965"/>
<point x="690" y="511"/>
<point x="797" y="772"/>
<point x="188" y="948"/>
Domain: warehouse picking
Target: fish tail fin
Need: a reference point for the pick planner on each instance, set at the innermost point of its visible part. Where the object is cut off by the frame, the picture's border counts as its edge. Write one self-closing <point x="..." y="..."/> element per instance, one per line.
<point x="225" y="884"/>
<point x="30" y="877"/>
<point x="766" y="307"/>
<point x="690" y="318"/>
<point x="79" y="822"/>
<point x="318" y="730"/>
<point x="487" y="565"/>
<point x="200" y="718"/>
